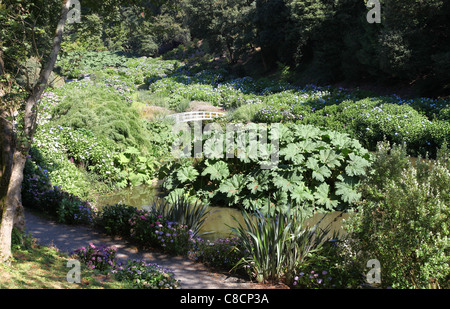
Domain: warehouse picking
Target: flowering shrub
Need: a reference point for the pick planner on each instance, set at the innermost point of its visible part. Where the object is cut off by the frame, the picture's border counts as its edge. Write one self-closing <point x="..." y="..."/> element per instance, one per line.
<point x="39" y="193"/>
<point x="115" y="219"/>
<point x="73" y="210"/>
<point x="313" y="279"/>
<point x="222" y="253"/>
<point x="140" y="274"/>
<point x="151" y="229"/>
<point x="143" y="275"/>
<point x="97" y="257"/>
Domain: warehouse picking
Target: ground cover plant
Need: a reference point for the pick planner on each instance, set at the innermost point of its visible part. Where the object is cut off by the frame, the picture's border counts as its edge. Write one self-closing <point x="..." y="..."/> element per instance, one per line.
<point x="135" y="273"/>
<point x="144" y="275"/>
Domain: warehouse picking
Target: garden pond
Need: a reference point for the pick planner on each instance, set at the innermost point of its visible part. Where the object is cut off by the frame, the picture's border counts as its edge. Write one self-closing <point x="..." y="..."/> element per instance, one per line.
<point x="219" y="220"/>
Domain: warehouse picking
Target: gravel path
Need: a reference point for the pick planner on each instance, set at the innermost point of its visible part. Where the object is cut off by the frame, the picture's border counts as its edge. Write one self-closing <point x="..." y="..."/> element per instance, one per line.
<point x="67" y="238"/>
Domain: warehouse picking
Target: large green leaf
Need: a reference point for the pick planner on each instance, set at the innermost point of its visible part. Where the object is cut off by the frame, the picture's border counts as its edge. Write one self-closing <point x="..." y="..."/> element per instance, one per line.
<point x="330" y="158"/>
<point x="281" y="183"/>
<point x="290" y="151"/>
<point x="340" y="140"/>
<point x="319" y="172"/>
<point x="217" y="171"/>
<point x="322" y="197"/>
<point x="187" y="174"/>
<point x="256" y="185"/>
<point x="301" y="193"/>
<point x="347" y="192"/>
<point x="356" y="165"/>
<point x="123" y="159"/>
<point x="306" y="132"/>
<point x="232" y="186"/>
<point x="132" y="150"/>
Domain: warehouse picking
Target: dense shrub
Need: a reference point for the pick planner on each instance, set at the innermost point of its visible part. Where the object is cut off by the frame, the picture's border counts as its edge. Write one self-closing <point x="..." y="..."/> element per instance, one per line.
<point x="318" y="170"/>
<point x="73" y="210"/>
<point x="403" y="219"/>
<point x="76" y="63"/>
<point x="115" y="219"/>
<point x="99" y="257"/>
<point x="223" y="253"/>
<point x="330" y="267"/>
<point x="39" y="193"/>
<point x="140" y="274"/>
<point x="150" y="229"/>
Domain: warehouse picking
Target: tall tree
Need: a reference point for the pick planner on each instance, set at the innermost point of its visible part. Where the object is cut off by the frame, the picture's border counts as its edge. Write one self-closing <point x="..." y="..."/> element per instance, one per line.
<point x="18" y="143"/>
<point x="28" y="29"/>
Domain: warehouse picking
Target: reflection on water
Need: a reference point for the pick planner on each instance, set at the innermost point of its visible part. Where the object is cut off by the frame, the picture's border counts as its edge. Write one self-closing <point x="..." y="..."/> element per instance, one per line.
<point x="217" y="224"/>
<point x="219" y="220"/>
<point x="133" y="196"/>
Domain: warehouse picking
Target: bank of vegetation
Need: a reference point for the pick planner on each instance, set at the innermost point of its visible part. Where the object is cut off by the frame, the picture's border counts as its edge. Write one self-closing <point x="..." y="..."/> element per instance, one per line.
<point x="383" y="158"/>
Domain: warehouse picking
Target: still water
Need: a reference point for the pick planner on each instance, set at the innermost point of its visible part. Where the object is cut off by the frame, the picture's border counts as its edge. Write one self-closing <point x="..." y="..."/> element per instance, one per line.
<point x="219" y="220"/>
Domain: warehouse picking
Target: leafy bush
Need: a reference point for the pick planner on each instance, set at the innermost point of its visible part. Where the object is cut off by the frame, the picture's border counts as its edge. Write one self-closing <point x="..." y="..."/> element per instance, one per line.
<point x="115" y="219"/>
<point x="102" y="112"/>
<point x="73" y="210"/>
<point x="97" y="257"/>
<point x="48" y="166"/>
<point x="223" y="253"/>
<point x="151" y="230"/>
<point x="183" y="211"/>
<point x="144" y="275"/>
<point x="403" y="219"/>
<point x="331" y="266"/>
<point x="39" y="193"/>
<point x="74" y="64"/>
<point x="318" y="170"/>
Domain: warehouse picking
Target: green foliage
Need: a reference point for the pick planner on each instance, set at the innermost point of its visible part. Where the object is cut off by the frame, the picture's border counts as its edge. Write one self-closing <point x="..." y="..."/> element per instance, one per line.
<point x="372" y="120"/>
<point x="76" y="63"/>
<point x="166" y="225"/>
<point x="149" y="229"/>
<point x="144" y="275"/>
<point x="329" y="268"/>
<point x="115" y="219"/>
<point x="221" y="254"/>
<point x="181" y="210"/>
<point x="274" y="244"/>
<point x="403" y="219"/>
<point x="318" y="170"/>
<point x="100" y="257"/>
<point x="73" y="210"/>
<point x="225" y="25"/>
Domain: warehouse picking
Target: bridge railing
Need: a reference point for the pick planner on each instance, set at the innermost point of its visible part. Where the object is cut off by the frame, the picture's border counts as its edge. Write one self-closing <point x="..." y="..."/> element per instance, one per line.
<point x="195" y="116"/>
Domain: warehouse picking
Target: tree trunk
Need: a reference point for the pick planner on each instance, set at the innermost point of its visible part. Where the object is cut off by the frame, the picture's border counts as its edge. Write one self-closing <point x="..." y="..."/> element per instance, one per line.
<point x="10" y="213"/>
<point x="6" y="156"/>
<point x="12" y="200"/>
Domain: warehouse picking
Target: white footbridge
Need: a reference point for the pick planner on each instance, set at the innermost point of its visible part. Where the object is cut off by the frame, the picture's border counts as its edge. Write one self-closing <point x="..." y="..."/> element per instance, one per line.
<point x="195" y="116"/>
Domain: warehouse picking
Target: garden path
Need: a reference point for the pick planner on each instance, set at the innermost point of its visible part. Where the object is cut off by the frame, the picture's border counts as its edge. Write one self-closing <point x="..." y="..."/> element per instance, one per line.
<point x="67" y="238"/>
